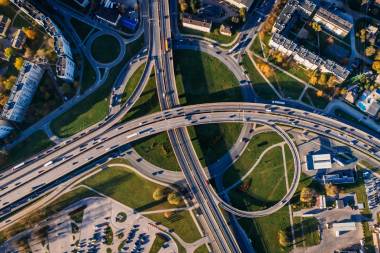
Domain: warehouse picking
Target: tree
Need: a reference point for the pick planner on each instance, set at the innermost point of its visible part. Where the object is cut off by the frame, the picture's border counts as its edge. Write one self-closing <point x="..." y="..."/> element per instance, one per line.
<point x="194" y="5"/>
<point x="29" y="33"/>
<point x="316" y="27"/>
<point x="319" y="93"/>
<point x="362" y="35"/>
<point x="376" y="66"/>
<point x="4" y="3"/>
<point x="235" y="19"/>
<point x="282" y="238"/>
<point x="28" y="53"/>
<point x="8" y="52"/>
<point x="307" y="195"/>
<point x="9" y="82"/>
<point x="266" y="70"/>
<point x="19" y="61"/>
<point x="183" y="6"/>
<point x="159" y="194"/>
<point x="313" y="79"/>
<point x="331" y="82"/>
<point x="322" y="79"/>
<point x="369" y="51"/>
<point x="168" y="214"/>
<point x="377" y="56"/>
<point x="331" y="190"/>
<point x="174" y="198"/>
<point x="243" y="14"/>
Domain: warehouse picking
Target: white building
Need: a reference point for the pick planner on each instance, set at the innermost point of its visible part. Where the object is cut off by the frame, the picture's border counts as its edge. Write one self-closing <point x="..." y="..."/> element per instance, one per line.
<point x="342" y="227"/>
<point x="307" y="58"/>
<point x="62" y="46"/>
<point x="5" y="22"/>
<point x="333" y="22"/>
<point x="196" y="23"/>
<point x="22" y="92"/>
<point x="240" y="3"/>
<point x="282" y="44"/>
<point x="65" y="68"/>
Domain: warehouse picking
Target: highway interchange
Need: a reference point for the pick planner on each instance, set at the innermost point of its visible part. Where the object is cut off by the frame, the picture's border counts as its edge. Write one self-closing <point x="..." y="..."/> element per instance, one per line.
<point x="26" y="182"/>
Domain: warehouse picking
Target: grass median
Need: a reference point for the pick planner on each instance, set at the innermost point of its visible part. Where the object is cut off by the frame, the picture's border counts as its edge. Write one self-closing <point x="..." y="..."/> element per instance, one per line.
<point x="105" y="48"/>
<point x="205" y="79"/>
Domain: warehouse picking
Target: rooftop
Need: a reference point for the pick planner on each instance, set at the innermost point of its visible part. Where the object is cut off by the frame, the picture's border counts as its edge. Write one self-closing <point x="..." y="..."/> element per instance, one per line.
<point x="194" y="20"/>
<point x="332" y="18"/>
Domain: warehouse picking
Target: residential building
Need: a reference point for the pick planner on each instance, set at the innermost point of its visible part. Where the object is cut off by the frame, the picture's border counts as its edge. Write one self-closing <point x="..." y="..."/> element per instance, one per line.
<point x="240" y="3"/>
<point x="62" y="46"/>
<point x="22" y="92"/>
<point x="82" y="3"/>
<point x="343" y="227"/>
<point x="333" y="22"/>
<point x="307" y="7"/>
<point x="196" y="23"/>
<point x="109" y="13"/>
<point x="5" y="22"/>
<point x="282" y="44"/>
<point x="369" y="102"/>
<point x="5" y="128"/>
<point x="225" y="30"/>
<point x="19" y="39"/>
<point x="339" y="204"/>
<point x="352" y="94"/>
<point x="307" y="58"/>
<point x="341" y="73"/>
<point x="65" y="68"/>
<point x="285" y="16"/>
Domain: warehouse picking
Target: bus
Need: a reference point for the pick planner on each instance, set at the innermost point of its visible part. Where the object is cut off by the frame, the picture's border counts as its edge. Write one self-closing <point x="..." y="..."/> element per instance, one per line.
<point x="167" y="45"/>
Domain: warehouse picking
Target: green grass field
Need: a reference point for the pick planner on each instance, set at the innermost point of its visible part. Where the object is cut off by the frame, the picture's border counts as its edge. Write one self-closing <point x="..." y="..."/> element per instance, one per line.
<point x="212" y="141"/>
<point x="88" y="76"/>
<point x="132" y="83"/>
<point x="202" y="249"/>
<point x="35" y="143"/>
<point x="105" y="48"/>
<point x="306" y="231"/>
<point x="254" y="149"/>
<point x="286" y="85"/>
<point x="260" y="86"/>
<point x="269" y="172"/>
<point x="312" y="99"/>
<point x="263" y="231"/>
<point x="204" y="79"/>
<point x="158" y="150"/>
<point x="94" y="107"/>
<point x="181" y="222"/>
<point x="147" y="103"/>
<point x="127" y="187"/>
<point x="81" y="28"/>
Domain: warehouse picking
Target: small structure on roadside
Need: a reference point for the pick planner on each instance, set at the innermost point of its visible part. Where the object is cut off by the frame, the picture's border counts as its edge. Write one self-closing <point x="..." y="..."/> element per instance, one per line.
<point x="225" y="30"/>
<point x="196" y="23"/>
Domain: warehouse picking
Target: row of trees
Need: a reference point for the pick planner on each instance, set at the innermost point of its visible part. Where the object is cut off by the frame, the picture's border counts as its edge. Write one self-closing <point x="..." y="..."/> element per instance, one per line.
<point x="172" y="197"/>
<point x="189" y="6"/>
<point x="308" y="194"/>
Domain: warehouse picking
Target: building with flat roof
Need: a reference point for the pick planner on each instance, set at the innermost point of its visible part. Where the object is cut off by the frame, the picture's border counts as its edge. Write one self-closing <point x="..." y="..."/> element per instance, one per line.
<point x="285" y="16"/>
<point x="22" y="92"/>
<point x="282" y="44"/>
<point x="333" y="22"/>
<point x="307" y="58"/>
<point x="19" y="39"/>
<point x="307" y="7"/>
<point x="339" y="177"/>
<point x="369" y="102"/>
<point x="108" y="13"/>
<point x="196" y="23"/>
<point x="241" y="3"/>
<point x="340" y="72"/>
<point x="342" y="227"/>
<point x="318" y="161"/>
<point x="5" y="22"/>
<point x="65" y="68"/>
